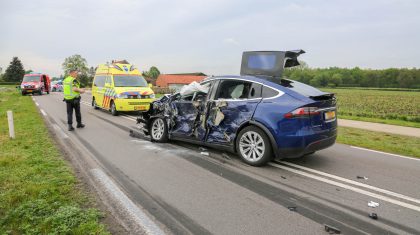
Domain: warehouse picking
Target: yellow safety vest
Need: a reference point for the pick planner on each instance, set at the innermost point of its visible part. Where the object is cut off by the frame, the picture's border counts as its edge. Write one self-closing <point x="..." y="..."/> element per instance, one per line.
<point x="69" y="94"/>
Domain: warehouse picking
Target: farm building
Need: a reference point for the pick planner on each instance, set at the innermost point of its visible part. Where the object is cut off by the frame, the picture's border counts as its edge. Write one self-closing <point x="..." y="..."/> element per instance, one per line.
<point x="177" y="81"/>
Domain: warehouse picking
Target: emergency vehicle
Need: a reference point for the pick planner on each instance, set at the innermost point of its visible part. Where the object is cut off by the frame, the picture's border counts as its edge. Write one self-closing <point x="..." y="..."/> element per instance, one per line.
<point x="119" y="86"/>
<point x="35" y="83"/>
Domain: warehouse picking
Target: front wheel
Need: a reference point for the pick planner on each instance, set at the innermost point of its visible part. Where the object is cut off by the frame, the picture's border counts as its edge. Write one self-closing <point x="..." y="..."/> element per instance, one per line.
<point x="158" y="130"/>
<point x="94" y="105"/>
<point x="253" y="146"/>
<point x="114" y="111"/>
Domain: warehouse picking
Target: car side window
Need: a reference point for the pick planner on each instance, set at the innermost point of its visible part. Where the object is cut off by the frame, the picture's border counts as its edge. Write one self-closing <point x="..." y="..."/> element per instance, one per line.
<point x="268" y="92"/>
<point x="233" y="89"/>
<point x="256" y="91"/>
<point x="100" y="81"/>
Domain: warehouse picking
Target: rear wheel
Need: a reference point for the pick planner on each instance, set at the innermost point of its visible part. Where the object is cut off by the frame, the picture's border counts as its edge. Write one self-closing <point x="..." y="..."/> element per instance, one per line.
<point x="40" y="92"/>
<point x="114" y="111"/>
<point x="158" y="130"/>
<point x="253" y="146"/>
<point x="53" y="89"/>
<point x="23" y="93"/>
<point x="94" y="105"/>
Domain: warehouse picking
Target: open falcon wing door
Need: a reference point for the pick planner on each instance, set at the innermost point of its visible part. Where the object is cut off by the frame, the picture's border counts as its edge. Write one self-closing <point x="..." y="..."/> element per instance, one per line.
<point x="268" y="63"/>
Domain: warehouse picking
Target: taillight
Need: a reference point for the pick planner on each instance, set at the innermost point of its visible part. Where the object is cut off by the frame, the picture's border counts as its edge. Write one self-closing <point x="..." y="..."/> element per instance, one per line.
<point x="302" y="112"/>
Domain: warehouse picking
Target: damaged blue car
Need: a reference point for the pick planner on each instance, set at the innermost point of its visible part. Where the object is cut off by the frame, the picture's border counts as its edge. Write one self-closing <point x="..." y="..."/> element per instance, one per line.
<point x="260" y="114"/>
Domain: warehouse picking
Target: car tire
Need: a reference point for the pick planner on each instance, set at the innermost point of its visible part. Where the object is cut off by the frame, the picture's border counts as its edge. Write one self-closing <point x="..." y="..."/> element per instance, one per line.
<point x="253" y="146"/>
<point x="23" y="93"/>
<point x="94" y="105"/>
<point x="53" y="90"/>
<point x="40" y="92"/>
<point x="114" y="111"/>
<point x="158" y="130"/>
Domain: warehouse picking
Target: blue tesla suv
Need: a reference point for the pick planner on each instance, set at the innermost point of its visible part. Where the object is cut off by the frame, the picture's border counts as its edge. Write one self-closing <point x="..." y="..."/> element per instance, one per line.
<point x="260" y="115"/>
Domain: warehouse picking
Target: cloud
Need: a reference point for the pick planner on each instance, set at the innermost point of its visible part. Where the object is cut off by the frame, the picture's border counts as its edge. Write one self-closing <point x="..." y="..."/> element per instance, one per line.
<point x="230" y="41"/>
<point x="208" y="36"/>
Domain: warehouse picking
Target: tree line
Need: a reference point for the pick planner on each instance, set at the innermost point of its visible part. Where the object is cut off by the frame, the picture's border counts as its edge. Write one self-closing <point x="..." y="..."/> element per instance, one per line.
<point x="355" y="77"/>
<point x="318" y="77"/>
<point x="15" y="71"/>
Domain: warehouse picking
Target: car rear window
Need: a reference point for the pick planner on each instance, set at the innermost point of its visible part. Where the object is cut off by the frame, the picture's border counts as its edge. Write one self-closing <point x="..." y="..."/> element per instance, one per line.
<point x="302" y="88"/>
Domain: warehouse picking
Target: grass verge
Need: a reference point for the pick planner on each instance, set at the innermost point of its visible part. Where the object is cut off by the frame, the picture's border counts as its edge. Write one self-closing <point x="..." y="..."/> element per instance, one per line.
<point x="384" y="121"/>
<point x="390" y="143"/>
<point x="39" y="193"/>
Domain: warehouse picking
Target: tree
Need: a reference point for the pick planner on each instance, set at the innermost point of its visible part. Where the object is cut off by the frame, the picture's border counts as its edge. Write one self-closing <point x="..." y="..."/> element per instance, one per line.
<point x="79" y="63"/>
<point x="75" y="62"/>
<point x="151" y="75"/>
<point x="154" y="72"/>
<point x="15" y="71"/>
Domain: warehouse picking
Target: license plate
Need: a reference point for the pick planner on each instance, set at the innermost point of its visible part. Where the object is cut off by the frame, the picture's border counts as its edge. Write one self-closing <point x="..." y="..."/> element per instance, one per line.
<point x="329" y="115"/>
<point x="29" y="91"/>
<point x="140" y="108"/>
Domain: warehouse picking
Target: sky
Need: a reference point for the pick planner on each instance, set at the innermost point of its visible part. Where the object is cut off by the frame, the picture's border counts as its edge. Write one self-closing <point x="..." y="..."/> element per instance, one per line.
<point x="209" y="36"/>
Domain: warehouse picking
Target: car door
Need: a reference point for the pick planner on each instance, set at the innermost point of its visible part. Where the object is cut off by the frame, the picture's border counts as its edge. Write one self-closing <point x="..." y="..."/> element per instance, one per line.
<point x="98" y="89"/>
<point x="234" y="104"/>
<point x="190" y="115"/>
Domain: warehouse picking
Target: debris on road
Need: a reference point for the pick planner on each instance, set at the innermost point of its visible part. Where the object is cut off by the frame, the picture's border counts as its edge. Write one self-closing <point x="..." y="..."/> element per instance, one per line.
<point x="292" y="208"/>
<point x="373" y="216"/>
<point x="362" y="177"/>
<point x="331" y="230"/>
<point x="283" y="177"/>
<point x="224" y="155"/>
<point x="205" y="153"/>
<point x="202" y="149"/>
<point x="373" y="204"/>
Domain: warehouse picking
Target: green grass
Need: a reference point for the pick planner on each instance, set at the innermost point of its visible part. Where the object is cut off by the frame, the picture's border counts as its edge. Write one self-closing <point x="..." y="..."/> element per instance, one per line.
<point x="390" y="107"/>
<point x="391" y="143"/>
<point x="39" y="193"/>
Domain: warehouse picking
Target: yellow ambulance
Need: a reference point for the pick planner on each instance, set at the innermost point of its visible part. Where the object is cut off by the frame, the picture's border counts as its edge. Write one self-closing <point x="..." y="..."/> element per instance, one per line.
<point x="119" y="86"/>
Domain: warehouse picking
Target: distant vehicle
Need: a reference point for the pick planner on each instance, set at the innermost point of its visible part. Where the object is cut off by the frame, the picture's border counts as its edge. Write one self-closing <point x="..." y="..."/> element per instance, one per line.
<point x="120" y="87"/>
<point x="35" y="83"/>
<point x="57" y="86"/>
<point x="259" y="115"/>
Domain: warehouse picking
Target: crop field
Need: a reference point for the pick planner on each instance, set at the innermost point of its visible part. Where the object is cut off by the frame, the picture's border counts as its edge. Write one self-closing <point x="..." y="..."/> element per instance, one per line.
<point x="393" y="107"/>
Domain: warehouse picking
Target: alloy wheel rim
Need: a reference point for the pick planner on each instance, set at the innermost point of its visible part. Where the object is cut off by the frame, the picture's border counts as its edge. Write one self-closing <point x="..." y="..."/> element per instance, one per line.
<point x="251" y="146"/>
<point x="158" y="129"/>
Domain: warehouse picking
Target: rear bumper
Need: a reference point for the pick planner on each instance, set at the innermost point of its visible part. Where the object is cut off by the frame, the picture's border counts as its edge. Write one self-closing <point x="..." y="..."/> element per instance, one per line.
<point x="312" y="147"/>
<point x="133" y="104"/>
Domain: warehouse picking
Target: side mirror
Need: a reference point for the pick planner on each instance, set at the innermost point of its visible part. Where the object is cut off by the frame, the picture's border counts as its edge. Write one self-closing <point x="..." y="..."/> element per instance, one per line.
<point x="150" y="85"/>
<point x="107" y="85"/>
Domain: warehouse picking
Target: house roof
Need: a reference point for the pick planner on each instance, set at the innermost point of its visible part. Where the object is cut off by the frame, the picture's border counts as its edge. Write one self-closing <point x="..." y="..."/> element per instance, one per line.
<point x="165" y="79"/>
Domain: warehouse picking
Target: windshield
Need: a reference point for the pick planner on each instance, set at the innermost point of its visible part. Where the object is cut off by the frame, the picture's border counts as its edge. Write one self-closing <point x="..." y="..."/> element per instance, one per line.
<point x="129" y="81"/>
<point x="31" y="78"/>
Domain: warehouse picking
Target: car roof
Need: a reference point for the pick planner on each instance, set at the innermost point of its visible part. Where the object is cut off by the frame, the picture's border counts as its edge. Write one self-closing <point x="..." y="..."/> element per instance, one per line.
<point x="263" y="81"/>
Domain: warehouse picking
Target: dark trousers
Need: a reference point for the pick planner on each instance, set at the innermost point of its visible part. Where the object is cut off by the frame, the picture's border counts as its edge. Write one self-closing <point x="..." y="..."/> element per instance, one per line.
<point x="73" y="104"/>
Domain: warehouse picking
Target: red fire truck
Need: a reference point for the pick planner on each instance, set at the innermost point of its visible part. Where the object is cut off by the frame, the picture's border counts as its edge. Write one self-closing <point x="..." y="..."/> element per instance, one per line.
<point x="35" y="83"/>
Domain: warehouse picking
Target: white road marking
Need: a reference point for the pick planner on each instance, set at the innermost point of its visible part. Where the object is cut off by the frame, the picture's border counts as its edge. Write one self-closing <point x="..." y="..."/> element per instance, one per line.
<point x="353" y="182"/>
<point x="392" y="154"/>
<point x="128" y="117"/>
<point x="60" y="131"/>
<point x="141" y="218"/>
<point x="357" y="190"/>
<point x="43" y="112"/>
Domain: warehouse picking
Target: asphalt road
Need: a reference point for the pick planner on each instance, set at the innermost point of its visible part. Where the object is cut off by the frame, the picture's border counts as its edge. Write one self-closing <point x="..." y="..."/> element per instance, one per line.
<point x="184" y="192"/>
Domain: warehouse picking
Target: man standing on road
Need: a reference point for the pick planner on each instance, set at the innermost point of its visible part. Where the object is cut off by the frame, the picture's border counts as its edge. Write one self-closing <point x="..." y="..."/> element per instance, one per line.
<point x="72" y="97"/>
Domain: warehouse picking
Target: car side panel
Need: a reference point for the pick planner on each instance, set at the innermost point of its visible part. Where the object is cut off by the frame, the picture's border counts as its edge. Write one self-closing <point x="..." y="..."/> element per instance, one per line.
<point x="235" y="114"/>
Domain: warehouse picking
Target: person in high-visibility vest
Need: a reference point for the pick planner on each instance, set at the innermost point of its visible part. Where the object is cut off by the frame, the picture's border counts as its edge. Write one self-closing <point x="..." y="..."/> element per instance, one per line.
<point x="72" y="91"/>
